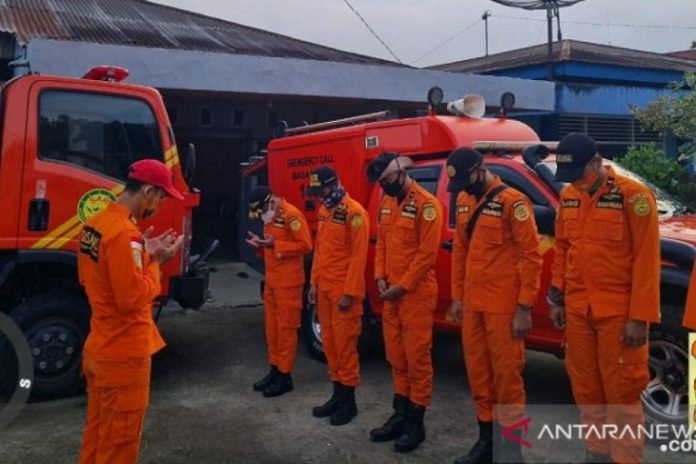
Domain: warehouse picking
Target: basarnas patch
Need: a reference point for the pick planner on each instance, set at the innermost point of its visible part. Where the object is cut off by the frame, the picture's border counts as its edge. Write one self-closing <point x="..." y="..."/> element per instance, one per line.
<point x="429" y="212"/>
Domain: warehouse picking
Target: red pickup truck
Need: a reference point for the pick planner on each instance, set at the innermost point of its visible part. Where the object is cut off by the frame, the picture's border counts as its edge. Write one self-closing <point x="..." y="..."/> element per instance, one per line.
<point x="511" y="149"/>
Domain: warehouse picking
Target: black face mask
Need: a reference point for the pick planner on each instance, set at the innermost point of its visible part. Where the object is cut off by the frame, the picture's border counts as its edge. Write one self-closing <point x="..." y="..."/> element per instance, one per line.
<point x="393" y="189"/>
<point x="477" y="188"/>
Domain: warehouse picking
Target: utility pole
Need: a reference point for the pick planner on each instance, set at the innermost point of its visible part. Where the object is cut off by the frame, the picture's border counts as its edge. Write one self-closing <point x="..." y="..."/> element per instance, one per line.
<point x="486" y="14"/>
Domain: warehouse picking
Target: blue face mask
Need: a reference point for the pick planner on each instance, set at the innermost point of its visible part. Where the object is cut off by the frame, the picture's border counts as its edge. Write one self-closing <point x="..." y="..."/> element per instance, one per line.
<point x="333" y="199"/>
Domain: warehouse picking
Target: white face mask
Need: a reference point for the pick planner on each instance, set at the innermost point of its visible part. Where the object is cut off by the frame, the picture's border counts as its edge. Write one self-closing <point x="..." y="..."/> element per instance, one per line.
<point x="268" y="216"/>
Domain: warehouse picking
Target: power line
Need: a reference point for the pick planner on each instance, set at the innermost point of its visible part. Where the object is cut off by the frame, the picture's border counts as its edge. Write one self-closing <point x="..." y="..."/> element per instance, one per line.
<point x="587" y="23"/>
<point x="372" y="31"/>
<point x="447" y="41"/>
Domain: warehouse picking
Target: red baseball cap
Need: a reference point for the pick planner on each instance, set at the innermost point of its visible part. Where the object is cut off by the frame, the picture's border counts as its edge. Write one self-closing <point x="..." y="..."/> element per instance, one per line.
<point x="153" y="172"/>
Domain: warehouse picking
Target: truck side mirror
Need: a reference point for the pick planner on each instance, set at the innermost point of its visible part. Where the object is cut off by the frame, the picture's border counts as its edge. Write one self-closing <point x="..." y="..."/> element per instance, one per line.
<point x="545" y="219"/>
<point x="189" y="167"/>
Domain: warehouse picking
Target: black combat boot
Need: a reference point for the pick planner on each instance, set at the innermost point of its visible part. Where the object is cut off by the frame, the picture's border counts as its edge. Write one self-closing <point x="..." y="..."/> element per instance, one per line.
<point x="509" y="451"/>
<point x="281" y="384"/>
<point x="266" y="381"/>
<point x="392" y="429"/>
<point x="482" y="451"/>
<point x="328" y="408"/>
<point x="346" y="409"/>
<point x="414" y="430"/>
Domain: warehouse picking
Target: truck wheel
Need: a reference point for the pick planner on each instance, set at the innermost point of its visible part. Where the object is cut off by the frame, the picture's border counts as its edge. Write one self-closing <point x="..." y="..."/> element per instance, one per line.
<point x="56" y="326"/>
<point x="666" y="399"/>
<point x="311" y="331"/>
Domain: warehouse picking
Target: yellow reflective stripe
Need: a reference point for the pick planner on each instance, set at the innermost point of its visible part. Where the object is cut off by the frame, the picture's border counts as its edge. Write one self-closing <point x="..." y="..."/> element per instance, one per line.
<point x="68" y="230"/>
<point x="57" y="232"/>
<point x="65" y="238"/>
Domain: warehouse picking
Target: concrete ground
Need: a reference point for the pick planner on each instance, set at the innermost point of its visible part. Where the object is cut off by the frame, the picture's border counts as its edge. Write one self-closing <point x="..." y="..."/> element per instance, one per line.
<point x="203" y="409"/>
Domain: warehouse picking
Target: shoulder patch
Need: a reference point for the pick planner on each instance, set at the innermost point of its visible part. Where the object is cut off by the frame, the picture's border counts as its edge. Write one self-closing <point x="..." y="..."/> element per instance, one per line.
<point x="641" y="207"/>
<point x="357" y="220"/>
<point x="295" y="224"/>
<point x="520" y="210"/>
<point x="137" y="252"/>
<point x="429" y="212"/>
<point x="89" y="242"/>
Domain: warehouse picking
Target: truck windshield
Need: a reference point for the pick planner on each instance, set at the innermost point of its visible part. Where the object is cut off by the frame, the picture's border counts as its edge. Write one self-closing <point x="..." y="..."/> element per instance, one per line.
<point x="667" y="204"/>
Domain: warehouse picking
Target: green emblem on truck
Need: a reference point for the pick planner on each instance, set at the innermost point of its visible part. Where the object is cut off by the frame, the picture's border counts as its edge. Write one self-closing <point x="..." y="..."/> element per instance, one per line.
<point x="92" y="202"/>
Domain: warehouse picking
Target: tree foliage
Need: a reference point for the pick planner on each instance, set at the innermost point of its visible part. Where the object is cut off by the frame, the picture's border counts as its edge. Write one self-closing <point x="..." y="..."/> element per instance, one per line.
<point x="675" y="112"/>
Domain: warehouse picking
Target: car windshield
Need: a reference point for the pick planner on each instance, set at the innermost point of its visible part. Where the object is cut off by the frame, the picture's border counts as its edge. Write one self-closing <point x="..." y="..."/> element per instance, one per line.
<point x="667" y="204"/>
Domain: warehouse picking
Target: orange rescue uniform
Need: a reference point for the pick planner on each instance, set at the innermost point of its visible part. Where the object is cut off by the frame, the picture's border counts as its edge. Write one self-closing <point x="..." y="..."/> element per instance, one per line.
<point x="407" y="245"/>
<point x="690" y="309"/>
<point x="492" y="273"/>
<point x="339" y="269"/>
<point x="607" y="265"/>
<point x="121" y="283"/>
<point x="285" y="279"/>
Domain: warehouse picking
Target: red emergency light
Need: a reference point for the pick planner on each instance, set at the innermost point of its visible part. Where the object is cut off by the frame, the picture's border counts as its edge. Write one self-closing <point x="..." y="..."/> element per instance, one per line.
<point x="107" y="73"/>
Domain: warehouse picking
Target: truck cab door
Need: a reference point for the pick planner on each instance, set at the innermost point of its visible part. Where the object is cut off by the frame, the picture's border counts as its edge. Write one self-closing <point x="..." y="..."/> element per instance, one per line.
<point x="81" y="138"/>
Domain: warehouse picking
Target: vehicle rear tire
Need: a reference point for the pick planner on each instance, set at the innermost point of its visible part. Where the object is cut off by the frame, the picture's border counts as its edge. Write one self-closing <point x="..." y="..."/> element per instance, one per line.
<point x="666" y="399"/>
<point x="55" y="325"/>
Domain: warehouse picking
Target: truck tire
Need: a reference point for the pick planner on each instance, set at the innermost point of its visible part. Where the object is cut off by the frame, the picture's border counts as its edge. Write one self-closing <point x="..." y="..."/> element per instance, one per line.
<point x="665" y="400"/>
<point x="370" y="335"/>
<point x="55" y="325"/>
<point x="311" y="331"/>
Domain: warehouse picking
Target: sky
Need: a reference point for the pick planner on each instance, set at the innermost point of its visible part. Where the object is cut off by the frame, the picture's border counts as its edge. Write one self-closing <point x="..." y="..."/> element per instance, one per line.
<point x="428" y="32"/>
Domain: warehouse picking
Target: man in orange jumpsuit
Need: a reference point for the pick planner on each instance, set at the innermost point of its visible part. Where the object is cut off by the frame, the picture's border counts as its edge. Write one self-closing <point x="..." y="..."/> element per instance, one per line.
<point x="286" y="239"/>
<point x="690" y="317"/>
<point x="496" y="267"/>
<point x="408" y="240"/>
<point x="119" y="268"/>
<point x="338" y="288"/>
<point x="605" y="290"/>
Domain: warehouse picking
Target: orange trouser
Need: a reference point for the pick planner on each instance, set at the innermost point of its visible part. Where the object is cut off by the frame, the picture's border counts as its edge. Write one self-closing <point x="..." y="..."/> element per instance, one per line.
<point x="118" y="393"/>
<point x="283" y="309"/>
<point x="408" y="339"/>
<point x="604" y="372"/>
<point x="494" y="362"/>
<point x="339" y="336"/>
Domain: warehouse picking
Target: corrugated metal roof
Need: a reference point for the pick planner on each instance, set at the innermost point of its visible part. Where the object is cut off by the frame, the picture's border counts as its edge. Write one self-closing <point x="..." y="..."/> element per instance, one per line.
<point x="147" y="24"/>
<point x="569" y="50"/>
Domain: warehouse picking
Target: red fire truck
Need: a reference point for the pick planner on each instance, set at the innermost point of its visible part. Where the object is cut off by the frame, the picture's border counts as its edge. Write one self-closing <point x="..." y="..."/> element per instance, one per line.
<point x="66" y="147"/>
<point x="512" y="152"/>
